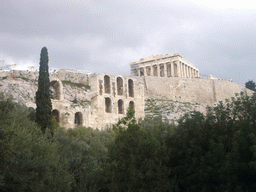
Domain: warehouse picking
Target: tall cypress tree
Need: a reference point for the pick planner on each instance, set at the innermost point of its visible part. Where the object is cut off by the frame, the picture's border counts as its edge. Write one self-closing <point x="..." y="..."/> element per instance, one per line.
<point x="43" y="100"/>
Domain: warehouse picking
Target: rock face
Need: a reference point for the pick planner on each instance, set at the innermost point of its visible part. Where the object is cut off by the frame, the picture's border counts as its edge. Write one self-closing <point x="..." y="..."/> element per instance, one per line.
<point x="170" y="110"/>
<point x="99" y="100"/>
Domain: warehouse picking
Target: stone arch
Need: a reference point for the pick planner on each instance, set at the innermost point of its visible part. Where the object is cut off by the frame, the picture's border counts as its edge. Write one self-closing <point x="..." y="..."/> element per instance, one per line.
<point x="130" y="88"/>
<point x="56" y="115"/>
<point x="108" y="105"/>
<point x="78" y="118"/>
<point x="120" y="106"/>
<point x="120" y="86"/>
<point x="107" y="84"/>
<point x="131" y="105"/>
<point x="56" y="89"/>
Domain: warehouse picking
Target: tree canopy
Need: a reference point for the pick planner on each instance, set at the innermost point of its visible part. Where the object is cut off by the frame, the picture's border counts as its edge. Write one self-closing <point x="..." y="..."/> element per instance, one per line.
<point x="250" y="85"/>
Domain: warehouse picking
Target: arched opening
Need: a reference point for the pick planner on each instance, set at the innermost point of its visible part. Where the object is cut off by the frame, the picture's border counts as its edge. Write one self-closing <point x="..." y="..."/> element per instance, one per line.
<point x="131" y="105"/>
<point x="130" y="88"/>
<point x="56" y="115"/>
<point x="107" y="84"/>
<point x="108" y="107"/>
<point x="120" y="86"/>
<point x="78" y="118"/>
<point x="120" y="106"/>
<point x="55" y="90"/>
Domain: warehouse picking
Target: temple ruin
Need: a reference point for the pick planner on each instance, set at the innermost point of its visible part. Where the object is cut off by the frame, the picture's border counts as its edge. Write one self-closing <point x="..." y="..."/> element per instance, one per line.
<point x="164" y="66"/>
<point x="161" y="76"/>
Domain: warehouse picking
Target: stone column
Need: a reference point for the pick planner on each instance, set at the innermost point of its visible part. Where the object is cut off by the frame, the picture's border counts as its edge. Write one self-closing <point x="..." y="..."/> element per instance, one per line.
<point x="172" y="70"/>
<point x="151" y="71"/>
<point x="183" y="74"/>
<point x="165" y="70"/>
<point x="186" y="71"/>
<point x="158" y="70"/>
<point x="178" y="66"/>
<point x="181" y="71"/>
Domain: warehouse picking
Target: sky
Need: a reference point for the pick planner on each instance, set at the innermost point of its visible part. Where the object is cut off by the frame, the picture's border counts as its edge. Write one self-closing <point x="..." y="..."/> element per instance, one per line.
<point x="104" y="36"/>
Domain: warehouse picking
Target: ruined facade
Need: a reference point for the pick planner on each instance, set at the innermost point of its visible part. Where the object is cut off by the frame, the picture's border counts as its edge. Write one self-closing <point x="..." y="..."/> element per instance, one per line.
<point x="161" y="76"/>
<point x="110" y="98"/>
<point x="164" y="66"/>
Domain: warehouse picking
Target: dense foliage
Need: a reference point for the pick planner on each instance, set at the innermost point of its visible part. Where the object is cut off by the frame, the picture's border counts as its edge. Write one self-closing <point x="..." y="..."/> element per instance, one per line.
<point x="29" y="159"/>
<point x="43" y="98"/>
<point x="212" y="152"/>
<point x="250" y="85"/>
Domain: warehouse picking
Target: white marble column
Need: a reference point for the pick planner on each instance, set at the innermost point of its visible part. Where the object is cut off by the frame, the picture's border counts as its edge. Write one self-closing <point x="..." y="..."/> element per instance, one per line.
<point x="165" y="70"/>
<point x="172" y="70"/>
<point x="158" y="70"/>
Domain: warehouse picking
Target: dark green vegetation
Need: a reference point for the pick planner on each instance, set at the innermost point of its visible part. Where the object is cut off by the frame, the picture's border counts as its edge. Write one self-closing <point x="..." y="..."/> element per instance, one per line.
<point x="43" y="98"/>
<point x="23" y="78"/>
<point x="79" y="85"/>
<point x="216" y="152"/>
<point x="250" y="85"/>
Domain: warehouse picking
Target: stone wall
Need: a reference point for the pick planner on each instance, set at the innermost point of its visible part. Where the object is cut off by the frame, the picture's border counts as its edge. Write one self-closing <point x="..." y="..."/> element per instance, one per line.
<point x="203" y="91"/>
<point x="112" y="96"/>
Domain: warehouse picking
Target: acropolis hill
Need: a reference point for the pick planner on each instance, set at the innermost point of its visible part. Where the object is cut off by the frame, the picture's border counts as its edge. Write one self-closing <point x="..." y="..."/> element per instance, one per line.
<point x="98" y="100"/>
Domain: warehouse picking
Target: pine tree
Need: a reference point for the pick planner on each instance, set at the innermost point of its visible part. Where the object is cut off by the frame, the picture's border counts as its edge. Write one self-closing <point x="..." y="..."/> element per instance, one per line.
<point x="43" y="100"/>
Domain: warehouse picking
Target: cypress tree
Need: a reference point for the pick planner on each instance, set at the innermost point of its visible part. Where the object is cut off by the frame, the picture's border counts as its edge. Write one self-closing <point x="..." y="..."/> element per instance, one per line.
<point x="43" y="100"/>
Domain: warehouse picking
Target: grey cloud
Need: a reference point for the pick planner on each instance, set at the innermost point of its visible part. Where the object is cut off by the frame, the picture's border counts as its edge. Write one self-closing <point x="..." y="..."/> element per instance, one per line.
<point x="104" y="36"/>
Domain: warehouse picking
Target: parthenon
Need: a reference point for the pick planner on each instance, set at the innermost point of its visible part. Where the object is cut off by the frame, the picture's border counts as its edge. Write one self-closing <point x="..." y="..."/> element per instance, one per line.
<point x="164" y="66"/>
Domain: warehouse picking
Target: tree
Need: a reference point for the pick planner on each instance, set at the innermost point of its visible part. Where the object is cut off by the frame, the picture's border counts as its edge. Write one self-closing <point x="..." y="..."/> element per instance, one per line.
<point x="43" y="100"/>
<point x="137" y="159"/>
<point x="215" y="152"/>
<point x="250" y="85"/>
<point x="29" y="159"/>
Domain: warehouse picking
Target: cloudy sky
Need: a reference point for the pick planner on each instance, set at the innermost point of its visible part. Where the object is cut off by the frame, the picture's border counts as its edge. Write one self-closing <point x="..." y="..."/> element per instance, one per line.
<point x="218" y="36"/>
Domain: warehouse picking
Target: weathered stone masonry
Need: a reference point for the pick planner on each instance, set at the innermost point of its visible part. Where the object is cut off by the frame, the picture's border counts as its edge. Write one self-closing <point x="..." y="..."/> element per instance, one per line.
<point x="110" y="98"/>
<point x="112" y="95"/>
<point x="164" y="66"/>
<point x="160" y="76"/>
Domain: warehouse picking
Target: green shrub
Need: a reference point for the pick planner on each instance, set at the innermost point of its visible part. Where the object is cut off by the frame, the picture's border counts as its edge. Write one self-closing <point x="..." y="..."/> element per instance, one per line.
<point x="79" y="85"/>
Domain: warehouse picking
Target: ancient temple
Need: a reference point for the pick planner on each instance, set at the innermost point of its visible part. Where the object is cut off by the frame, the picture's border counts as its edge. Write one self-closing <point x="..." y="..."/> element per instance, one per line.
<point x="164" y="66"/>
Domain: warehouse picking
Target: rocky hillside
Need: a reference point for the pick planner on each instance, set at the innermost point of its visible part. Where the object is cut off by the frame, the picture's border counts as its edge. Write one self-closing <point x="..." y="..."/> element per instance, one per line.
<point x="24" y="90"/>
<point x="169" y="109"/>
